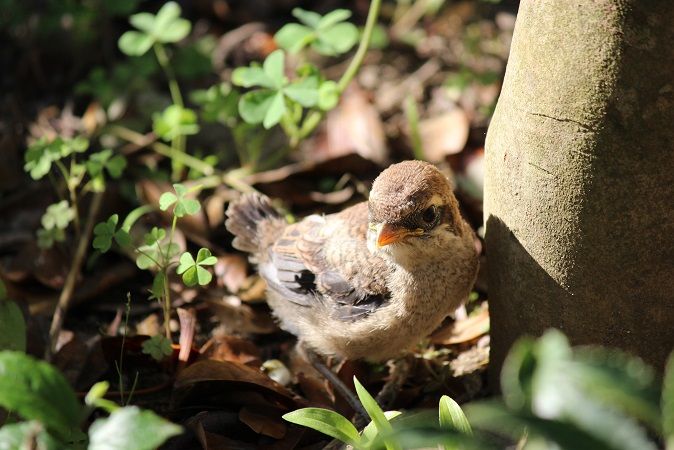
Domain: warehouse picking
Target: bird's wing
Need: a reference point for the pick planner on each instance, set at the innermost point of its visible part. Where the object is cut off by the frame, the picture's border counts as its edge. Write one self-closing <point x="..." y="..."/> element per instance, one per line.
<point x="325" y="259"/>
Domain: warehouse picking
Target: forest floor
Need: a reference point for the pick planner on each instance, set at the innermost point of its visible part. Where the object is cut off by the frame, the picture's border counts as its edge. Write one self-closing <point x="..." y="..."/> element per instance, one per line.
<point x="426" y="89"/>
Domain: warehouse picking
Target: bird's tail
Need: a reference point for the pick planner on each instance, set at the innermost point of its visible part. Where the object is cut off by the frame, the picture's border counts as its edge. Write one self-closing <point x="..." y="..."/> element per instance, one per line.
<point x="254" y="222"/>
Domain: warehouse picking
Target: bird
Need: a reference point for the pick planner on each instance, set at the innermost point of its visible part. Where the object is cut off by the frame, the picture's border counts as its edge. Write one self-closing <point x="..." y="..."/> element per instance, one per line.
<point x="369" y="282"/>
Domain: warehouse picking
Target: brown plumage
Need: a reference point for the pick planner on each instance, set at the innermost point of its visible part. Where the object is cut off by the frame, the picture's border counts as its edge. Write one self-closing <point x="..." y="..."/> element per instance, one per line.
<point x="370" y="281"/>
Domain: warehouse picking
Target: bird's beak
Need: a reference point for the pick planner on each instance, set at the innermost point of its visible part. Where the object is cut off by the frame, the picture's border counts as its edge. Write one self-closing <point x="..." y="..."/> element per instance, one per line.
<point x="390" y="234"/>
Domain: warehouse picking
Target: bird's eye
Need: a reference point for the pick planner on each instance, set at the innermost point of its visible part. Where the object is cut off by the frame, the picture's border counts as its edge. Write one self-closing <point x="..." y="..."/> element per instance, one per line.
<point x="430" y="215"/>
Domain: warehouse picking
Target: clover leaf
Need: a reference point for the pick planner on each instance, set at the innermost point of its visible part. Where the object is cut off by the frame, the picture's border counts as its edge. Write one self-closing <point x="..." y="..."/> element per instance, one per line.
<point x="105" y="232"/>
<point x="328" y="35"/>
<point x="183" y="206"/>
<point x="175" y="121"/>
<point x="268" y="105"/>
<point x="41" y="154"/>
<point x="164" y="27"/>
<point x="158" y="347"/>
<point x="193" y="271"/>
<point x="104" y="160"/>
<point x="218" y="103"/>
<point x="47" y="238"/>
<point x="58" y="215"/>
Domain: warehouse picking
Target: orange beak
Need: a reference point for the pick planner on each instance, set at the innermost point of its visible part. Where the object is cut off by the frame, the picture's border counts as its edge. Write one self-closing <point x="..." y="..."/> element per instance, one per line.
<point x="389" y="234"/>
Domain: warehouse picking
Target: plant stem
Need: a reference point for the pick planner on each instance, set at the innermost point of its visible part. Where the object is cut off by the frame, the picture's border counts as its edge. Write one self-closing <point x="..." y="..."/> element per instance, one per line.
<point x="362" y="47"/>
<point x="314" y="117"/>
<point x="163" y="59"/>
<point x="69" y="285"/>
<point x="163" y="149"/>
<point x="167" y="291"/>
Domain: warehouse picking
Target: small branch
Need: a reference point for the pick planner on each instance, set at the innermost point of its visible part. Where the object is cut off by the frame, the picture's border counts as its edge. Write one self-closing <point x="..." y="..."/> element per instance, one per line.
<point x="69" y="285"/>
<point x="163" y="59"/>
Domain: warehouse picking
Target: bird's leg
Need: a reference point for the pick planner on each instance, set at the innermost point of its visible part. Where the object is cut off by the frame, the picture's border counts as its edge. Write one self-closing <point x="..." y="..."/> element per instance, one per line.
<point x="399" y="370"/>
<point x="337" y="384"/>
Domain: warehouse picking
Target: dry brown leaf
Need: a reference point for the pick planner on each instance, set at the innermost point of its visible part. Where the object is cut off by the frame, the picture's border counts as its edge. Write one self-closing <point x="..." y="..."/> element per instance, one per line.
<point x="465" y="330"/>
<point x="354" y="126"/>
<point x="445" y="134"/>
<point x="232" y="348"/>
<point x="240" y="317"/>
<point x="263" y="421"/>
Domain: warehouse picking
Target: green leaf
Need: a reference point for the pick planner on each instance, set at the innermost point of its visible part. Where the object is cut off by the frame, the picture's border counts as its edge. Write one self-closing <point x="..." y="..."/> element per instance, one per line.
<point x="337" y="39"/>
<point x="58" y="215"/>
<point x="134" y="43"/>
<point x="158" y="285"/>
<point x="27" y="435"/>
<point x="40" y="156"/>
<point x="192" y="271"/>
<point x="158" y="347"/>
<point x="375" y="412"/>
<point x="104" y="233"/>
<point x="273" y="67"/>
<point x="47" y="238"/>
<point x="252" y="76"/>
<point x="293" y="37"/>
<point x="166" y="200"/>
<point x="327" y="422"/>
<point x="308" y="18"/>
<point x="277" y="109"/>
<point x="333" y="18"/>
<point x="304" y="92"/>
<point x="155" y="235"/>
<point x="174" y="32"/>
<point x="218" y="103"/>
<point x="37" y="391"/>
<point x="667" y="403"/>
<point x="175" y="121"/>
<point x="328" y="95"/>
<point x="13" y="326"/>
<point x="370" y="433"/>
<point x="143" y="21"/>
<point x="254" y="105"/>
<point x="131" y="428"/>
<point x="452" y="416"/>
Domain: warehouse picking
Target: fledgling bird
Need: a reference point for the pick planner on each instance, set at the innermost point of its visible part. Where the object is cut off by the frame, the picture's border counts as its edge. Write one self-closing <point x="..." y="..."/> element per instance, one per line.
<point x="370" y="281"/>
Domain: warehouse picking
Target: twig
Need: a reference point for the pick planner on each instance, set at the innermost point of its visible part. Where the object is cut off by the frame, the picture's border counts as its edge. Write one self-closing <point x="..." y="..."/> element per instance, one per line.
<point x="69" y="285"/>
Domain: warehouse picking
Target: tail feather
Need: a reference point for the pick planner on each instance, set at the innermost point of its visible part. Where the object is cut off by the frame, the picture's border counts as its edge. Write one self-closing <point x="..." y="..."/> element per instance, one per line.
<point x="254" y="222"/>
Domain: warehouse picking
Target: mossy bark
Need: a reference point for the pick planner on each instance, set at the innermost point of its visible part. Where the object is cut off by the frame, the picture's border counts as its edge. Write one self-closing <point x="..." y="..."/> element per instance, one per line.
<point x="579" y="184"/>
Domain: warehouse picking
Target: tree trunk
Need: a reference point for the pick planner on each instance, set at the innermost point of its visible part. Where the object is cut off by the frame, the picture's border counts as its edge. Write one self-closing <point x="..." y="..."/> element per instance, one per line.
<point x="579" y="183"/>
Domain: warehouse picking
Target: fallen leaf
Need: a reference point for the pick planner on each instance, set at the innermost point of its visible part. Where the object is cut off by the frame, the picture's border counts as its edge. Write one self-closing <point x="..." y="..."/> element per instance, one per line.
<point x="465" y="330"/>
<point x="445" y="134"/>
<point x="224" y="347"/>
<point x="263" y="421"/>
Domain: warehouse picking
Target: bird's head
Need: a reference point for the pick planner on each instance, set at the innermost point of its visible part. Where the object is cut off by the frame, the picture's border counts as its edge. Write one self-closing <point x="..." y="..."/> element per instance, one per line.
<point x="412" y="211"/>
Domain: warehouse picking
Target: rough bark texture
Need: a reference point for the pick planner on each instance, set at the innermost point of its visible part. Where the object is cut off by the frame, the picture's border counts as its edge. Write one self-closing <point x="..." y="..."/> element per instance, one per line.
<point x="579" y="186"/>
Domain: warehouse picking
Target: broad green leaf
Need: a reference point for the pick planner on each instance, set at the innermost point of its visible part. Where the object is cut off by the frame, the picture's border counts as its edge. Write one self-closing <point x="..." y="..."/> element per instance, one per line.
<point x="47" y="238"/>
<point x="134" y="43"/>
<point x="327" y="422"/>
<point x="205" y="258"/>
<point x="273" y="67"/>
<point x="277" y="108"/>
<point x="333" y="17"/>
<point x="328" y="95"/>
<point x="154" y="236"/>
<point x="254" y="105"/>
<point x="667" y="403"/>
<point x="337" y="39"/>
<point x="308" y="18"/>
<point x="27" y="435"/>
<point x="58" y="215"/>
<point x="186" y="261"/>
<point x="187" y="207"/>
<point x="176" y="31"/>
<point x="175" y="121"/>
<point x="293" y="37"/>
<point x="37" y="391"/>
<point x="158" y="285"/>
<point x="166" y="200"/>
<point x="131" y="428"/>
<point x="517" y="374"/>
<point x="143" y="21"/>
<point x="304" y="92"/>
<point x="452" y="416"/>
<point x="158" y="347"/>
<point x="104" y="232"/>
<point x="13" y="326"/>
<point x="252" y="76"/>
<point x="40" y="156"/>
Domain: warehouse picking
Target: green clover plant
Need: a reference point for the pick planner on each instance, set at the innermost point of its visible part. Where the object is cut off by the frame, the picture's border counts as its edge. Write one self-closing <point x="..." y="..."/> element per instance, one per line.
<point x="328" y="35"/>
<point x="297" y="101"/>
<point x="159" y="253"/>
